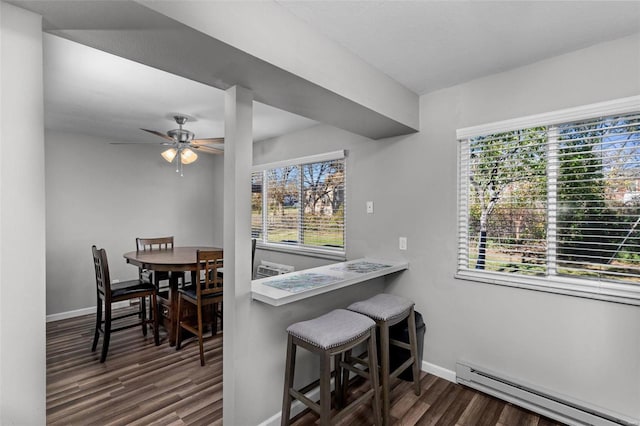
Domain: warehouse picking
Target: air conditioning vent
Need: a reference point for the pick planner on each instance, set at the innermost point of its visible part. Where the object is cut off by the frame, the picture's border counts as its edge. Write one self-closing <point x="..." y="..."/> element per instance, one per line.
<point x="269" y="269"/>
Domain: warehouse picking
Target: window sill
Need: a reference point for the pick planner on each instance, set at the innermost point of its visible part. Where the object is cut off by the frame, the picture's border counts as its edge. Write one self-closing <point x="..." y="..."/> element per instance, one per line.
<point x="304" y="251"/>
<point x="627" y="294"/>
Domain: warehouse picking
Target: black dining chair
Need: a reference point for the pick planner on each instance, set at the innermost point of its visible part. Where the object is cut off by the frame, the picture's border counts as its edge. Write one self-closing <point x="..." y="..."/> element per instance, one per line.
<point x="108" y="293"/>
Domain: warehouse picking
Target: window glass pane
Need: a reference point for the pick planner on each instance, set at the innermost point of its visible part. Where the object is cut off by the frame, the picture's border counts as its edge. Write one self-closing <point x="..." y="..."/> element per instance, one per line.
<point x="301" y="205"/>
<point x="598" y="199"/>
<point x="507" y="202"/>
<point x="283" y="207"/>
<point x="323" y="198"/>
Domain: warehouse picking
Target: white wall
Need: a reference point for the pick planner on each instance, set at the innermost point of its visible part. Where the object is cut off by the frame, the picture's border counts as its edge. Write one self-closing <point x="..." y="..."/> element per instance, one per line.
<point x="586" y="349"/>
<point x="22" y="220"/>
<point x="108" y="195"/>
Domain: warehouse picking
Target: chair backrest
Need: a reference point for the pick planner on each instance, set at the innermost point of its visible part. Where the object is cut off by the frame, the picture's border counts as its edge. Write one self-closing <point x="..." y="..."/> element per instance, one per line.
<point x="160" y="243"/>
<point x="208" y="279"/>
<point x="101" y="266"/>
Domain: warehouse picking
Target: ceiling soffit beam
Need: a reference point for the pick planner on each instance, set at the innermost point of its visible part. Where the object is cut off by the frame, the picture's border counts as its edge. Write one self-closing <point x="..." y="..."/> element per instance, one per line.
<point x="135" y="32"/>
<point x="267" y="31"/>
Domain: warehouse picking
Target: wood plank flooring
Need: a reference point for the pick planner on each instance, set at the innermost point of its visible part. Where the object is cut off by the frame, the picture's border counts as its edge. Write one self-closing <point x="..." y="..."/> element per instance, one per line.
<point x="440" y="403"/>
<point x="139" y="383"/>
<point x="144" y="384"/>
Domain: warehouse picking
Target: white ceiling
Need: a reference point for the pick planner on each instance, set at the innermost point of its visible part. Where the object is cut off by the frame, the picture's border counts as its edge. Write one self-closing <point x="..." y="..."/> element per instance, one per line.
<point x="429" y="45"/>
<point x="91" y="92"/>
<point x="424" y="45"/>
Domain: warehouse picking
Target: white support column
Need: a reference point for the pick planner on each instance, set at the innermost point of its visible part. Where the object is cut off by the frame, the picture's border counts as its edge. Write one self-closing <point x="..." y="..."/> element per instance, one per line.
<point x="238" y="158"/>
<point x="22" y="220"/>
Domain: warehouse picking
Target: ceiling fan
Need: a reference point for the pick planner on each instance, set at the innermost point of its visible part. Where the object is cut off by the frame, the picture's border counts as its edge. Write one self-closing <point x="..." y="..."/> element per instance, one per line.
<point x="182" y="144"/>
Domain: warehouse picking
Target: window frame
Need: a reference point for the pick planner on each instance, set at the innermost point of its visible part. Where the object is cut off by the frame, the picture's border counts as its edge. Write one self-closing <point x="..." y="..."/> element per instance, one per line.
<point x="558" y="284"/>
<point x="300" y="249"/>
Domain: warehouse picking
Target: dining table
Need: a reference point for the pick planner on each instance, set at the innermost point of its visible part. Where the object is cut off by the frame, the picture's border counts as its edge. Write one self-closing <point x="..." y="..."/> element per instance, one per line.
<point x="173" y="260"/>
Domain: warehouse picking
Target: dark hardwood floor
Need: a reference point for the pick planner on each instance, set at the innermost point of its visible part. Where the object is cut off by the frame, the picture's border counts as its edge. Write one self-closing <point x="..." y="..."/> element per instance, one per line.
<point x="139" y="384"/>
<point x="440" y="403"/>
<point x="143" y="384"/>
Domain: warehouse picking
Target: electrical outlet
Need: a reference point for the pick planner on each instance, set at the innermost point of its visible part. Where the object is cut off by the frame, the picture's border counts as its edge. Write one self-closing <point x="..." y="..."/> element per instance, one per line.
<point x="369" y="207"/>
<point x="402" y="243"/>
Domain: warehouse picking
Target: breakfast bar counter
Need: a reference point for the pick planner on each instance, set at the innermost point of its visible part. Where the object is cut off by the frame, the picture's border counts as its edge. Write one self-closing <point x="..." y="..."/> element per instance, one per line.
<point x="294" y="286"/>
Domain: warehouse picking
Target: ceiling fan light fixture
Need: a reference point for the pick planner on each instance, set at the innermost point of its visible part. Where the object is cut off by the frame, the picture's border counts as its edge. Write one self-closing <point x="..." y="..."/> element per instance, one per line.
<point x="169" y="154"/>
<point x="188" y="156"/>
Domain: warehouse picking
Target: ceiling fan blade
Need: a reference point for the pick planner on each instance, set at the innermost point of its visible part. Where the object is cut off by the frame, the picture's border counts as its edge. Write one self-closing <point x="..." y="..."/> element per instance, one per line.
<point x="208" y="149"/>
<point x="207" y="141"/>
<point x="135" y="143"/>
<point x="162" y="135"/>
<point x="143" y="143"/>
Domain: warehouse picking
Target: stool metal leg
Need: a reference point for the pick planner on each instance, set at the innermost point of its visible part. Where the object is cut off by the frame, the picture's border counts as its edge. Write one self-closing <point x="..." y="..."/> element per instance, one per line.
<point x="413" y="341"/>
<point x="289" y="371"/>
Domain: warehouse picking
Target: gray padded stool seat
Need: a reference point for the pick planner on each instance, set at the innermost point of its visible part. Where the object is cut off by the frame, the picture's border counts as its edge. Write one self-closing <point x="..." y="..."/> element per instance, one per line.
<point x="330" y="335"/>
<point x="387" y="310"/>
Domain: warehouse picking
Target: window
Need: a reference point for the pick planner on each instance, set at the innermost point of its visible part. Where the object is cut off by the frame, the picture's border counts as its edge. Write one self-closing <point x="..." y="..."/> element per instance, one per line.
<point x="300" y="204"/>
<point x="551" y="202"/>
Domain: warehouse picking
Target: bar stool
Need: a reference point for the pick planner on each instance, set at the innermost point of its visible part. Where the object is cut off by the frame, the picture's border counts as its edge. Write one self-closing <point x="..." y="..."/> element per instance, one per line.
<point x="330" y="335"/>
<point x="387" y="310"/>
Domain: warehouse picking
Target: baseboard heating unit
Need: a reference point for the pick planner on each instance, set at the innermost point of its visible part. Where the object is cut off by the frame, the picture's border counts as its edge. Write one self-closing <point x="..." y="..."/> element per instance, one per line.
<point x="540" y="401"/>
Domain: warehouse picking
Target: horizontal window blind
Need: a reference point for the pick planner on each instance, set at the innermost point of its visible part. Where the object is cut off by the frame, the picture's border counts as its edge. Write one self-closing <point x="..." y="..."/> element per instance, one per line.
<point x="505" y="197"/>
<point x="558" y="199"/>
<point x="301" y="205"/>
<point x="598" y="200"/>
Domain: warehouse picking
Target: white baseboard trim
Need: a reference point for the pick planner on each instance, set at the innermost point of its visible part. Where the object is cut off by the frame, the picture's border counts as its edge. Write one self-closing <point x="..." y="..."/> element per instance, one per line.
<point x="81" y="312"/>
<point x="297" y="406"/>
<point x="441" y="372"/>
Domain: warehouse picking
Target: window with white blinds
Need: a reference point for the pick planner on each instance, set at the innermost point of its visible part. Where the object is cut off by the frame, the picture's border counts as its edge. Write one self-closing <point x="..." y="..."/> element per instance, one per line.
<point x="301" y="204"/>
<point x="555" y="204"/>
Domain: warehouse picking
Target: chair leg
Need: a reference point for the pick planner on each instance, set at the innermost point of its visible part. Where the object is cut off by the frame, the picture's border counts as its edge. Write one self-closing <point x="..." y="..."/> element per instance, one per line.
<point x="200" y="343"/>
<point x="373" y="376"/>
<point x="384" y="349"/>
<point x="289" y="371"/>
<point x="413" y="342"/>
<point x="214" y="323"/>
<point x="339" y="398"/>
<point x="325" y="389"/>
<point x="96" y="335"/>
<point x="107" y="332"/>
<point x="143" y="314"/>
<point x="179" y="327"/>
<point x="220" y="311"/>
<point x="153" y="313"/>
<point x="345" y="375"/>
<point x="154" y="306"/>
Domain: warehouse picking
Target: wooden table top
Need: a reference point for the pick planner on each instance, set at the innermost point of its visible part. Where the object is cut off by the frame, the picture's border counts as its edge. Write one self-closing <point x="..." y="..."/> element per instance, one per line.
<point x="176" y="259"/>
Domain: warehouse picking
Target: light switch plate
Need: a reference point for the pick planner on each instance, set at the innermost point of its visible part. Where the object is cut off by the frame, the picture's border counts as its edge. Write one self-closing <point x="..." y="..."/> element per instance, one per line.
<point x="369" y="207"/>
<point x="402" y="243"/>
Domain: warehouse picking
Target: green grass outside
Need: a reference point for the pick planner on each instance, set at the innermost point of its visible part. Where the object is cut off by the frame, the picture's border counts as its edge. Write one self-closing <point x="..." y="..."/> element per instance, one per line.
<point x="321" y="234"/>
